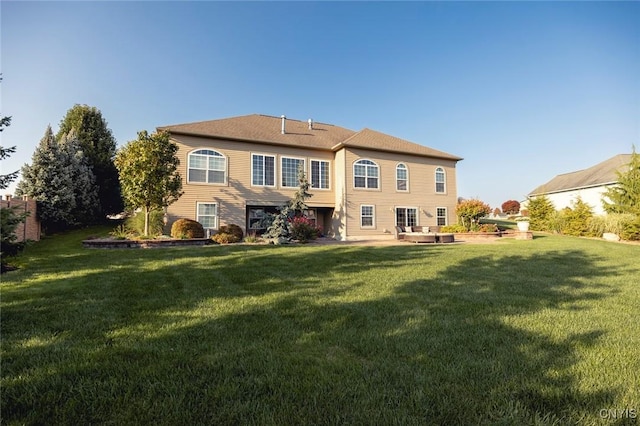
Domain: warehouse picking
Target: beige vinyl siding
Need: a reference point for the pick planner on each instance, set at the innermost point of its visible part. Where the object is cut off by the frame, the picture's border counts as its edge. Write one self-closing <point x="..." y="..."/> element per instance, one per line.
<point x="337" y="229"/>
<point x="237" y="193"/>
<point x="421" y="193"/>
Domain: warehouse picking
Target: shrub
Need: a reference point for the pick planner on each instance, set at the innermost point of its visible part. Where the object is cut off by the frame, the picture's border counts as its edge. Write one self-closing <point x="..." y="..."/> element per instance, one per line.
<point x="576" y="219"/>
<point x="224" y="238"/>
<point x="121" y="232"/>
<point x="457" y="228"/>
<point x="613" y="222"/>
<point x="187" y="228"/>
<point x="253" y="238"/>
<point x="303" y="229"/>
<point x="542" y="213"/>
<point x="631" y="229"/>
<point x="135" y="224"/>
<point x="232" y="229"/>
<point x="470" y="211"/>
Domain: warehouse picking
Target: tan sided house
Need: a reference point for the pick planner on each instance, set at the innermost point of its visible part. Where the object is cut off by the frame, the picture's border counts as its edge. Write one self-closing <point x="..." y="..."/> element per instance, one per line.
<point x="364" y="183"/>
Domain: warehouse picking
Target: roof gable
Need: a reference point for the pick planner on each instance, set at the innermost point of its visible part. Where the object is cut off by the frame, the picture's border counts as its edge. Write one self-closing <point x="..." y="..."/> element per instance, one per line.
<point x="600" y="174"/>
<point x="267" y="129"/>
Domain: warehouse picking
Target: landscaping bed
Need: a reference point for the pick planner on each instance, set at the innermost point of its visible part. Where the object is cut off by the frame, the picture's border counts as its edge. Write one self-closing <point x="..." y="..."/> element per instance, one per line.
<point x="111" y="243"/>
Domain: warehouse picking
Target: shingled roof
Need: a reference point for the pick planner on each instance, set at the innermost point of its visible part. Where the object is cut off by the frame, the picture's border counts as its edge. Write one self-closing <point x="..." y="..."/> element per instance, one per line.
<point x="266" y="129"/>
<point x="601" y="174"/>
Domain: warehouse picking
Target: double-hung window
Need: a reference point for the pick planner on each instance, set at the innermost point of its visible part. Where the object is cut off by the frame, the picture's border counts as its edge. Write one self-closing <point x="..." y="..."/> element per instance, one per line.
<point x="402" y="177"/>
<point x="207" y="166"/>
<point x="441" y="216"/>
<point x="319" y="174"/>
<point x="365" y="174"/>
<point x="406" y="216"/>
<point x="440" y="180"/>
<point x="263" y="170"/>
<point x="207" y="215"/>
<point x="289" y="169"/>
<point x="367" y="216"/>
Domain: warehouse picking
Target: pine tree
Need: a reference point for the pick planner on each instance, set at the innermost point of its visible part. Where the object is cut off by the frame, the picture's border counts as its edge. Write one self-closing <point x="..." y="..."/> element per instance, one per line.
<point x="298" y="203"/>
<point x="99" y="147"/>
<point x="49" y="181"/>
<point x="5" y="180"/>
<point x="625" y="196"/>
<point x="85" y="190"/>
<point x="542" y="212"/>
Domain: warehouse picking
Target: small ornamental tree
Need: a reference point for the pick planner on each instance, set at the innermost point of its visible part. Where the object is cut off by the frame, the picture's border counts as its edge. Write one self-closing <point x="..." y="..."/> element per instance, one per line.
<point x="281" y="226"/>
<point x="148" y="173"/>
<point x="511" y="207"/>
<point x="470" y="212"/>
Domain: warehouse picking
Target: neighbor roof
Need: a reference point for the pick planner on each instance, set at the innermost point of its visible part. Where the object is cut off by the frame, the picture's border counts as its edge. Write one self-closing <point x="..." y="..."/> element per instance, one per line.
<point x="601" y="174"/>
<point x="327" y="137"/>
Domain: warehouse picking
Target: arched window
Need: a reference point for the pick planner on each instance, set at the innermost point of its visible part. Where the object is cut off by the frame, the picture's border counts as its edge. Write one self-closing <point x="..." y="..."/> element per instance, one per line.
<point x="365" y="174"/>
<point x="402" y="177"/>
<point x="207" y="166"/>
<point x="440" y="180"/>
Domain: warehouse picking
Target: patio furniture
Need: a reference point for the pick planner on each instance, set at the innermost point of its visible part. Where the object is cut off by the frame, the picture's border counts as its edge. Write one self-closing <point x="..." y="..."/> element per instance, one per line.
<point x="420" y="238"/>
<point x="445" y="238"/>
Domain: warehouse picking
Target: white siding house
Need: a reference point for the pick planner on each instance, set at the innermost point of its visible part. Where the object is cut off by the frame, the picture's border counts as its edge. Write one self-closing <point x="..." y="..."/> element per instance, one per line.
<point x="588" y="184"/>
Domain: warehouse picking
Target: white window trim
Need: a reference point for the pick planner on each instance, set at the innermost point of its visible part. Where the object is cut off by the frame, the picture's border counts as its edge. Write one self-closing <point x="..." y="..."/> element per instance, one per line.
<point x="217" y="216"/>
<point x="329" y="171"/>
<point x="407" y="169"/>
<point x="275" y="169"/>
<point x="446" y="215"/>
<point x="304" y="165"/>
<point x="435" y="180"/>
<point x="373" y="216"/>
<point x="226" y="168"/>
<point x="366" y="188"/>
<point x="395" y="211"/>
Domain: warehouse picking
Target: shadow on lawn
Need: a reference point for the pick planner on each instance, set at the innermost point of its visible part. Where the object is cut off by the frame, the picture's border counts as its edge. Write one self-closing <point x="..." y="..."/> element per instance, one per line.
<point x="238" y="335"/>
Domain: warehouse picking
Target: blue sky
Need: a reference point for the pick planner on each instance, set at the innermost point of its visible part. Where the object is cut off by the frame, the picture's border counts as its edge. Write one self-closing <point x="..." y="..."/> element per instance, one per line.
<point x="522" y="91"/>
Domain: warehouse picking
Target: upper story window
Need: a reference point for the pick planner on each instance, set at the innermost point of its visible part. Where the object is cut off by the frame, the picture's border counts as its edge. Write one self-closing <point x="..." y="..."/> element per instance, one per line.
<point x="207" y="166"/>
<point x="440" y="180"/>
<point x="263" y="170"/>
<point x="289" y="170"/>
<point x="365" y="174"/>
<point x="319" y="174"/>
<point x="402" y="177"/>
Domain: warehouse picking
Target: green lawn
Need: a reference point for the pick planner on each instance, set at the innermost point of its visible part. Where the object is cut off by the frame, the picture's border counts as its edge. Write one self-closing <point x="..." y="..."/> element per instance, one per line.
<point x="514" y="332"/>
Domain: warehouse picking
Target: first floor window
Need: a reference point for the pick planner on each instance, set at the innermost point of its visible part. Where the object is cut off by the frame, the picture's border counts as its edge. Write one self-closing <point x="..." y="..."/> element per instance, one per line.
<point x="367" y="216"/>
<point x="319" y="174"/>
<point x="441" y="216"/>
<point x="406" y="216"/>
<point x="263" y="170"/>
<point x="208" y="215"/>
<point x="289" y="170"/>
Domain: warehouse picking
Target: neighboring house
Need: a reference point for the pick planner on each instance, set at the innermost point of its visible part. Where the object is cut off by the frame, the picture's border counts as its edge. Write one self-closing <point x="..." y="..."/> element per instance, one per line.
<point x="588" y="184"/>
<point x="30" y="229"/>
<point x="235" y="170"/>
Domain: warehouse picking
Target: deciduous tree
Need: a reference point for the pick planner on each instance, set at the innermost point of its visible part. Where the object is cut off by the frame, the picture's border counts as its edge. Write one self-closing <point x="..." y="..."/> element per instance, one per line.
<point x="511" y="207"/>
<point x="148" y="173"/>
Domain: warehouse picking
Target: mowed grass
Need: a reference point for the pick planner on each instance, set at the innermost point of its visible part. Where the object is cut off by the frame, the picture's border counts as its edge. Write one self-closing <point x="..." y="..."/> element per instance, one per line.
<point x="515" y="332"/>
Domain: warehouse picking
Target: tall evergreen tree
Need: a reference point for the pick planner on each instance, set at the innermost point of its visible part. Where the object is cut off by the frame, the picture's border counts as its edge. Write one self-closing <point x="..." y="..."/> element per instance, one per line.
<point x="5" y="180"/>
<point x="99" y="146"/>
<point x="49" y="180"/>
<point x="625" y="196"/>
<point x="85" y="190"/>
